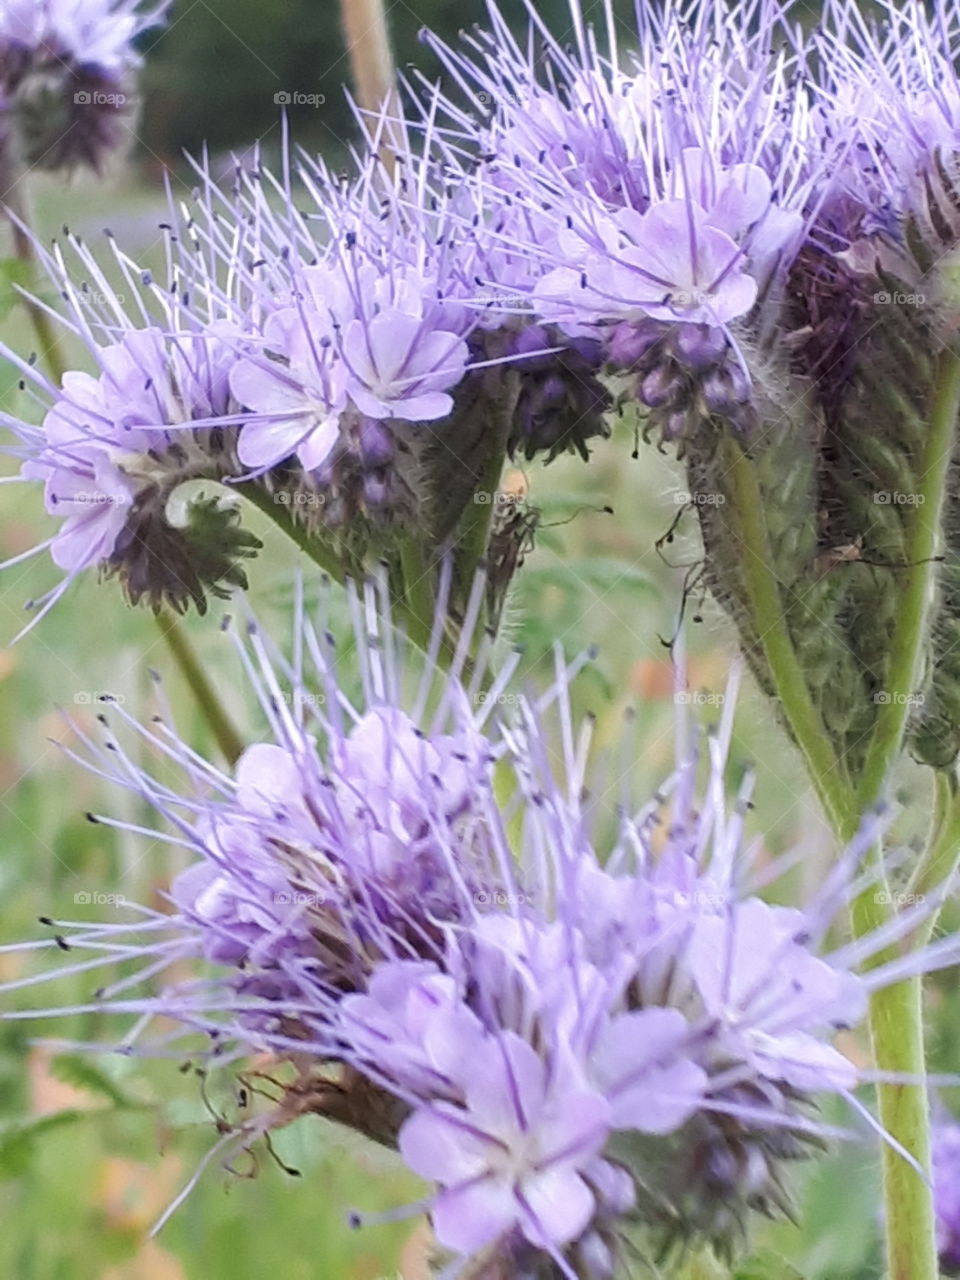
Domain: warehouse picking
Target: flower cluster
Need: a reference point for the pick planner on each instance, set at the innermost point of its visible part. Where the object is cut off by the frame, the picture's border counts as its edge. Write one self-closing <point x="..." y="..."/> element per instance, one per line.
<point x="342" y="364"/>
<point x="113" y="448"/>
<point x="567" y="1040"/>
<point x="697" y="229"/>
<point x="67" y="83"/>
<point x="663" y="195"/>
<point x="757" y="225"/>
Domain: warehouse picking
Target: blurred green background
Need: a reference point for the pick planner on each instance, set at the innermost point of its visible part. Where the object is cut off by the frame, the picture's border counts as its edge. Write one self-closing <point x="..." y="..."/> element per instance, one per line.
<point x="90" y="1154"/>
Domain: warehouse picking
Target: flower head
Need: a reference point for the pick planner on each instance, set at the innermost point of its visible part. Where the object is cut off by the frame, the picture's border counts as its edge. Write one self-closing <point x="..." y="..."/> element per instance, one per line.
<point x="113" y="446"/>
<point x="660" y="198"/>
<point x="66" y="72"/>
<point x="563" y="1036"/>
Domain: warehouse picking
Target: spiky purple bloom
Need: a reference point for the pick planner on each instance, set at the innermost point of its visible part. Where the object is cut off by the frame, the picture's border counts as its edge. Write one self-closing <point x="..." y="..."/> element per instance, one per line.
<point x="336" y="352"/>
<point x="67" y="76"/>
<point x="661" y="197"/>
<point x="894" y="71"/>
<point x="565" y="1036"/>
<point x="114" y="445"/>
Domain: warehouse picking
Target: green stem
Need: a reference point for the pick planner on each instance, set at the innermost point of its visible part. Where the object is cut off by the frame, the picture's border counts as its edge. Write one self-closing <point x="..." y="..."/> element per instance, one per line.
<point x="896" y="1014"/>
<point x="763" y="589"/>
<point x="415" y="609"/>
<point x="896" y="1032"/>
<point x="49" y="339"/>
<point x="226" y="736"/>
<point x="938" y="865"/>
<point x="906" y="649"/>
<point x="282" y="517"/>
<point x="419" y="602"/>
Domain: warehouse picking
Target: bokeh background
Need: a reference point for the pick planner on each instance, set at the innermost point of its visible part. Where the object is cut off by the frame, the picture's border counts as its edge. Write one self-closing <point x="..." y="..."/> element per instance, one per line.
<point x="92" y="1150"/>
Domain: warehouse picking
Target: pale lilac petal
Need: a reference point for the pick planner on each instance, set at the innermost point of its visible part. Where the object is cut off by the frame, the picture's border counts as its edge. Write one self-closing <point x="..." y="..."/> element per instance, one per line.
<point x="507" y="1091"/>
<point x="268" y="778"/>
<point x="574" y="1131"/>
<point x="802" y="1061"/>
<point x="557" y="1206"/>
<point x="320" y="443"/>
<point x="440" y="1145"/>
<point x="467" y="1218"/>
<point x="256" y="387"/>
<point x="263" y="444"/>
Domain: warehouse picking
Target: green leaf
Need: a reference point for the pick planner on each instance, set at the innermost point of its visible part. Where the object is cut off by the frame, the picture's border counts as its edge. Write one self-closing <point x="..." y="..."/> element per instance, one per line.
<point x="12" y="272"/>
<point x="765" y="1265"/>
<point x="17" y="1141"/>
<point x="83" y="1074"/>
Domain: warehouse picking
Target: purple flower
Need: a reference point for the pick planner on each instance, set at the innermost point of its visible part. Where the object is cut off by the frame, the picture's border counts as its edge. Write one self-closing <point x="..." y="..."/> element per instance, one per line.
<point x="95" y="32"/>
<point x="93" y="497"/>
<point x="402" y="368"/>
<point x="66" y="76"/>
<point x="670" y="263"/>
<point x="298" y="402"/>
<point x="363" y="339"/>
<point x="556" y="1031"/>
<point x="512" y="1155"/>
<point x="895" y="75"/>
<point x="113" y="447"/>
<point x="412" y="1023"/>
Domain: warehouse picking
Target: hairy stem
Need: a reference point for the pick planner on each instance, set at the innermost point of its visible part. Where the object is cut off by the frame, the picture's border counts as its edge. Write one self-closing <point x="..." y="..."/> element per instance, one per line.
<point x="190" y="667"/>
<point x="418" y="595"/>
<point x="896" y="1031"/>
<point x="903" y="672"/>
<point x="940" y="859"/>
<point x="13" y="196"/>
<point x="896" y="1014"/>
<point x="763" y="588"/>
<point x="412" y="599"/>
<point x="282" y="516"/>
